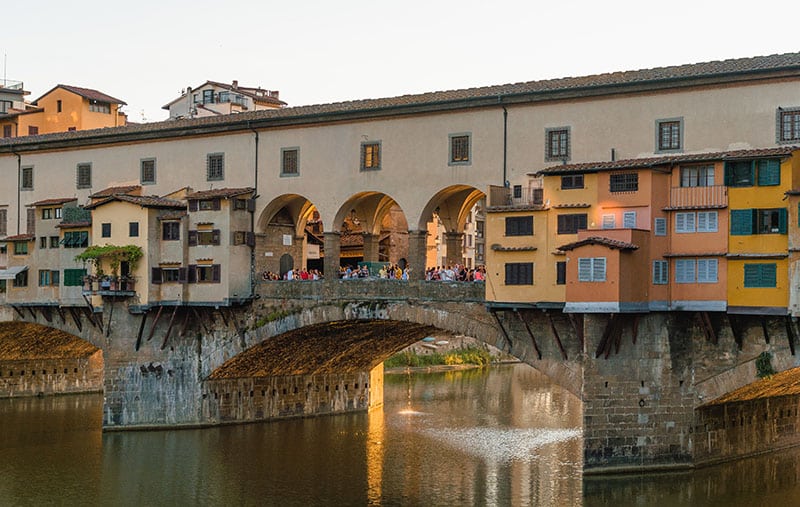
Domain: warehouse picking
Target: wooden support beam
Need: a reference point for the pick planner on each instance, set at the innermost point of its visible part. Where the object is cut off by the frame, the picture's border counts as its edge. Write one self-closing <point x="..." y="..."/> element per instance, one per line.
<point x="200" y="319"/>
<point x="617" y="335"/>
<point x="61" y="314"/>
<point x="141" y="330"/>
<point x="76" y="317"/>
<point x="555" y="334"/>
<point x="19" y="312"/>
<point x="89" y="310"/>
<point x="155" y="321"/>
<point x="601" y="347"/>
<point x="533" y="339"/>
<point x="48" y="313"/>
<point x="708" y="328"/>
<point x="30" y="310"/>
<point x="635" y="330"/>
<point x="224" y="319"/>
<point x="110" y="315"/>
<point x="505" y="334"/>
<point x="576" y="319"/>
<point x="169" y="328"/>
<point x="764" y="328"/>
<point x="791" y="332"/>
<point x="733" y="322"/>
<point x="185" y="322"/>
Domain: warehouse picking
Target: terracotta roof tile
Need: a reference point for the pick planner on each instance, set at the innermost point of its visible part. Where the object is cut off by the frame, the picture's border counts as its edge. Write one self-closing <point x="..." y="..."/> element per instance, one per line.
<point x="142" y="200"/>
<point x="54" y="201"/>
<point x="86" y="93"/>
<point x="20" y="237"/>
<point x="126" y="189"/>
<point x="599" y="240"/>
<point x="74" y="225"/>
<point x="610" y="83"/>
<point x="647" y="162"/>
<point x="224" y="193"/>
<point x="172" y="215"/>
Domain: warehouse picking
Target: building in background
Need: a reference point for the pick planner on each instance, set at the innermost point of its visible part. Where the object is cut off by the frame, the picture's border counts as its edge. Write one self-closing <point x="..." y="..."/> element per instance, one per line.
<point x="214" y="99"/>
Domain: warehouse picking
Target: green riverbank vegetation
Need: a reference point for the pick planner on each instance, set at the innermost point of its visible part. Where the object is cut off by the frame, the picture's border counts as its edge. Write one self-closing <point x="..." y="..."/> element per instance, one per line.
<point x="467" y="356"/>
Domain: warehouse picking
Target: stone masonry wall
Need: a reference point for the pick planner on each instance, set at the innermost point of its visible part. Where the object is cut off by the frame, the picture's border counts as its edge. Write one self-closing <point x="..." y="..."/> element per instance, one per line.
<point x="51" y="376"/>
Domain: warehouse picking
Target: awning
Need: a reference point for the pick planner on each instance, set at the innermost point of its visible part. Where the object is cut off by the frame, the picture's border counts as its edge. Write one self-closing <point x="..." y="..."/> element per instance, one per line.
<point x="12" y="272"/>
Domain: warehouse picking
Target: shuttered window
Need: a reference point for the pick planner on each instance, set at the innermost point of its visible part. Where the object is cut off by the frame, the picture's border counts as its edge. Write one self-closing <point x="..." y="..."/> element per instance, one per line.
<point x="707" y="221"/>
<point x="629" y="220"/>
<point x="769" y="172"/>
<point x="707" y="270"/>
<point x="84" y="175"/>
<point x="609" y="221"/>
<point x="740" y="173"/>
<point x="571" y="223"/>
<point x="660" y="227"/>
<point x="215" y="166"/>
<point x="519" y="273"/>
<point x="685" y="270"/>
<point x="760" y="275"/>
<point x="592" y="269"/>
<point x="519" y="226"/>
<point x="684" y="222"/>
<point x="561" y="273"/>
<point x="660" y="272"/>
<point x="74" y="277"/>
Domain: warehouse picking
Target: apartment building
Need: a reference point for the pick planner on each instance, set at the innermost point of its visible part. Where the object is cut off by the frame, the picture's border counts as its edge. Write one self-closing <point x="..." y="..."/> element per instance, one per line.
<point x="213" y="98"/>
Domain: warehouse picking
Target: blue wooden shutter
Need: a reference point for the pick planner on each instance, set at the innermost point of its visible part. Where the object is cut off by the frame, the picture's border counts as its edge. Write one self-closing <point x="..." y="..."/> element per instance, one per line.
<point x="783" y="221"/>
<point x="769" y="172"/>
<point x="742" y="222"/>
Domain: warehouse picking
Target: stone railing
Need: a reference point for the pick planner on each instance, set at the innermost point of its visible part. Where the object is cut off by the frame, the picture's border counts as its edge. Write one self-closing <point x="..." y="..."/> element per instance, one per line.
<point x="373" y="289"/>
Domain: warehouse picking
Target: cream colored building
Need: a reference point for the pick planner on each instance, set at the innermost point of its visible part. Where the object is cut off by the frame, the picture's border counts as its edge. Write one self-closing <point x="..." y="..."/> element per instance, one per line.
<point x="431" y="153"/>
<point x="214" y="99"/>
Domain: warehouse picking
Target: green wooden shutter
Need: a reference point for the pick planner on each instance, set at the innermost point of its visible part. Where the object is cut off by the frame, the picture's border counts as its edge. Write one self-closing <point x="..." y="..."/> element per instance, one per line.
<point x="760" y="275"/>
<point x="769" y="172"/>
<point x="769" y="275"/>
<point x="742" y="222"/>
<point x="783" y="221"/>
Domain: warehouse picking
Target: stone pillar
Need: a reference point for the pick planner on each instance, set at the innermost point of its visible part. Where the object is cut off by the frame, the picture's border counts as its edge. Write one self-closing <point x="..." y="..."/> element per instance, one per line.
<point x="332" y="252"/>
<point x="371" y="247"/>
<point x="417" y="253"/>
<point x="454" y="243"/>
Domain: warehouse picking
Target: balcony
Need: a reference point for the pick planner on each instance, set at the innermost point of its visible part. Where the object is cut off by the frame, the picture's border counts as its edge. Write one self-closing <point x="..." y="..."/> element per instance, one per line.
<point x="713" y="197"/>
<point x="516" y="197"/>
<point x="8" y="84"/>
<point x="109" y="286"/>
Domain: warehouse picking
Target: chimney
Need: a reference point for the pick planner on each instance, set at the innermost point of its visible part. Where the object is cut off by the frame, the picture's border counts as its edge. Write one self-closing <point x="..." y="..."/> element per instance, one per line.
<point x="235" y="84"/>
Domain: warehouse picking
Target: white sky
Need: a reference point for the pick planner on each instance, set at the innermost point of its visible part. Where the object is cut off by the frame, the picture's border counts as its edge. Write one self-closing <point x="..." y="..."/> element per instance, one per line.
<point x="320" y="51"/>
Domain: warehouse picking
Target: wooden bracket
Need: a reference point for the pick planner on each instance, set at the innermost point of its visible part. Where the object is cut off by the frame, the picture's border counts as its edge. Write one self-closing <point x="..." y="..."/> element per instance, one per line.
<point x="533" y="339"/>
<point x="555" y="334"/>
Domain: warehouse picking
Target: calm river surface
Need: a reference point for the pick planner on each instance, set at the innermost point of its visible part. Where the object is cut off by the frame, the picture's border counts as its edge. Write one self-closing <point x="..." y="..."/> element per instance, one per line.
<point x="501" y="436"/>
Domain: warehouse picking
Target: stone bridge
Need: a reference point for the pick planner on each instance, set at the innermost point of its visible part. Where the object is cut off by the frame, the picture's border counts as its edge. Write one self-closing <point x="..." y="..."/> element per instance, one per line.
<point x="305" y="348"/>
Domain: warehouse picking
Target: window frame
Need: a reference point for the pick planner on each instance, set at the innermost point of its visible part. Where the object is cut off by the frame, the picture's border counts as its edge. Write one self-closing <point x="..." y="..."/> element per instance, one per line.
<point x="596" y="265"/>
<point x="686" y="270"/>
<point x="455" y="154"/>
<point x="660" y="226"/>
<point x="371" y="156"/>
<point x="105" y="230"/>
<point x="519" y="273"/>
<point x="572" y="181"/>
<point x="660" y="272"/>
<point x="171" y="230"/>
<point x="699" y="175"/>
<point x="760" y="270"/>
<point x="570" y="223"/>
<point x="285" y="152"/>
<point x="26" y="181"/>
<point x="143" y="180"/>
<point x="793" y="115"/>
<point x="83" y="175"/>
<point x="214" y="173"/>
<point x="623" y="182"/>
<point x="557" y="143"/>
<point x="519" y="226"/>
<point x="133" y="229"/>
<point x="674" y="143"/>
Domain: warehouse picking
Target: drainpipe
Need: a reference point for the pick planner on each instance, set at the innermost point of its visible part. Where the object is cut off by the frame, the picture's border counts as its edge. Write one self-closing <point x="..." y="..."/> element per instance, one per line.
<point x="253" y="215"/>
<point x="505" y="143"/>
<point x="19" y="186"/>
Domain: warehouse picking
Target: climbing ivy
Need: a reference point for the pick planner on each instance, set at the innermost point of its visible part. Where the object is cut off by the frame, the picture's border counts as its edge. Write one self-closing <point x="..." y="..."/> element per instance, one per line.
<point x="113" y="253"/>
<point x="764" y="365"/>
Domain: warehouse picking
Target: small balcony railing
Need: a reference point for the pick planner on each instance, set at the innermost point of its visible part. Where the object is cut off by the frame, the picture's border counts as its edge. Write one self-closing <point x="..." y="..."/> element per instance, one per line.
<point x="109" y="285"/>
<point x="715" y="196"/>
<point x="504" y="196"/>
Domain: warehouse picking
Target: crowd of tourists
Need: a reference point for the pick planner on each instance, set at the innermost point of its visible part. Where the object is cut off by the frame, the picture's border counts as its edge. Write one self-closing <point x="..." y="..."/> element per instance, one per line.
<point x="454" y="273"/>
<point x="292" y="274"/>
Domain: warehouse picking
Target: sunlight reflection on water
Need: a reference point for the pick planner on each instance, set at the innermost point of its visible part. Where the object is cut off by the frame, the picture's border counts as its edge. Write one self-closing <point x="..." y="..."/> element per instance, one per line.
<point x="499" y="444"/>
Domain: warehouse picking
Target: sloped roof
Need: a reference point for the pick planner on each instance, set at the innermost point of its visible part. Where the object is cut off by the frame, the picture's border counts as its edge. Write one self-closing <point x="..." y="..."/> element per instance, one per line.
<point x="257" y="94"/>
<point x="54" y="201"/>
<point x="106" y="192"/>
<point x="144" y="201"/>
<point x="223" y="193"/>
<point x="86" y="93"/>
<point x="709" y="73"/>
<point x="614" y="244"/>
<point x="20" y="237"/>
<point x="648" y="162"/>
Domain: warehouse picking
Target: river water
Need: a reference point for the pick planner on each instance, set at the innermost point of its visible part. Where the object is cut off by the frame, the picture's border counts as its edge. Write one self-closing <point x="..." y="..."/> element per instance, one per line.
<point x="500" y="436"/>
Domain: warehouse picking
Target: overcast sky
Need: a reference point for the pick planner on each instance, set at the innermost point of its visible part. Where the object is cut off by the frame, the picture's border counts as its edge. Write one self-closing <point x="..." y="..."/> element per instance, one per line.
<point x="318" y="51"/>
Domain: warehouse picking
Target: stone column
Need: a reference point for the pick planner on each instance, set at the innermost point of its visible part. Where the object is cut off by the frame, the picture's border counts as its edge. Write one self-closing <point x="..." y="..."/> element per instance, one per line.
<point x="417" y="253"/>
<point x="371" y="246"/>
<point x="454" y="244"/>
<point x="332" y="251"/>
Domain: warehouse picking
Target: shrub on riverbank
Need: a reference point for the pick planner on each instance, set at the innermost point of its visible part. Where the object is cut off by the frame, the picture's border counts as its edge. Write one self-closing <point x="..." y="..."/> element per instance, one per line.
<point x="470" y="355"/>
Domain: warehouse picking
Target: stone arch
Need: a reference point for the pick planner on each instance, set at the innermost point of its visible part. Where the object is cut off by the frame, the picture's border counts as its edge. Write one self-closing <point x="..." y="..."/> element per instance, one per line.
<point x="287" y="226"/>
<point x="378" y="223"/>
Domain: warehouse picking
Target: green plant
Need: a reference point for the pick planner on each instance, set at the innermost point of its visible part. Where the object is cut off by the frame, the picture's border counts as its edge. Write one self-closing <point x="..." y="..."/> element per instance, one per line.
<point x="113" y="254"/>
<point x="764" y="365"/>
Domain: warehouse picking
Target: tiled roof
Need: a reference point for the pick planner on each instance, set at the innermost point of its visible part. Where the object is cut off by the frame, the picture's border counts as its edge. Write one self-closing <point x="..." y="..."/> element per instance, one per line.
<point x="86" y="93"/>
<point x="611" y="83"/>
<point x="144" y="201"/>
<point x="127" y="189"/>
<point x="500" y="248"/>
<point x="644" y="163"/>
<point x="257" y="94"/>
<point x="74" y="225"/>
<point x="223" y="193"/>
<point x="54" y="201"/>
<point x="599" y="240"/>
<point x="20" y="237"/>
<point x="172" y="215"/>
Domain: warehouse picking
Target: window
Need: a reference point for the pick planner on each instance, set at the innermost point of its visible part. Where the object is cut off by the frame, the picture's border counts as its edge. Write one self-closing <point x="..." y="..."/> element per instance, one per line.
<point x="133" y="229"/>
<point x="290" y="161"/>
<point x="170" y="275"/>
<point x="557" y="140"/>
<point x="685" y="270"/>
<point x="20" y="248"/>
<point x="147" y="171"/>
<point x="459" y="149"/>
<point x="697" y="176"/>
<point x="84" y="175"/>
<point x="53" y="241"/>
<point x="44" y="277"/>
<point x="76" y="239"/>
<point x="239" y="237"/>
<point x="592" y="269"/>
<point x="208" y="273"/>
<point x="26" y="180"/>
<point x="3" y="222"/>
<point x="571" y="223"/>
<point x="517" y="192"/>
<point x="5" y="105"/>
<point x="760" y="275"/>
<point x="370" y="156"/>
<point x="241" y="204"/>
<point x="204" y="205"/>
<point x="624" y="182"/>
<point x="609" y="221"/>
<point x="561" y="273"/>
<point x="47" y="213"/>
<point x="105" y="230"/>
<point x="629" y="220"/>
<point x="571" y="181"/>
<point x="57" y="212"/>
<point x="208" y="96"/>
<point x="215" y="166"/>
<point x="769" y="172"/>
<point x="6" y="130"/>
<point x="58" y="106"/>
<point x="669" y="134"/>
<point x="707" y="270"/>
<point x="43" y="242"/>
<point x="660" y="227"/>
<point x="740" y="173"/>
<point x="519" y="273"/>
<point x="170" y="231"/>
<point x="30" y="219"/>
<point x="769" y="221"/>
<point x="707" y="221"/>
<point x="519" y="226"/>
<point x="21" y="280"/>
<point x="99" y="107"/>
<point x="660" y="272"/>
<point x="758" y="221"/>
<point x="684" y="222"/>
<point x="74" y="277"/>
<point x="789" y="125"/>
<point x="206" y="237"/>
<point x="33" y="130"/>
